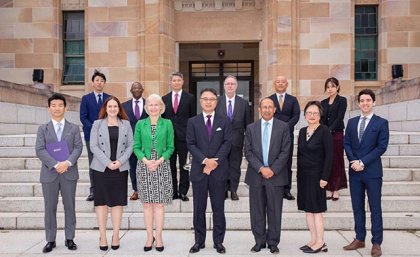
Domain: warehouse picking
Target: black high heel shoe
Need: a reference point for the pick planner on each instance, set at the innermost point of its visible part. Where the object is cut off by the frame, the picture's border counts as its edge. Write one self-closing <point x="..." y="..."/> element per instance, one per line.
<point x="114" y="247"/>
<point x="323" y="248"/>
<point x="148" y="248"/>
<point x="102" y="248"/>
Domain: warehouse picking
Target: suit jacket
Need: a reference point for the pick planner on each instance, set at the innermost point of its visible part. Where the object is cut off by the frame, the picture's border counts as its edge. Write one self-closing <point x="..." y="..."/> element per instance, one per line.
<point x="89" y="110"/>
<point x="46" y="135"/>
<point x="278" y="153"/>
<point x="241" y="117"/>
<point x="101" y="148"/>
<point x="128" y="108"/>
<point x="186" y="109"/>
<point x="163" y="141"/>
<point x="370" y="149"/>
<point x="334" y="118"/>
<point x="290" y="112"/>
<point x="201" y="147"/>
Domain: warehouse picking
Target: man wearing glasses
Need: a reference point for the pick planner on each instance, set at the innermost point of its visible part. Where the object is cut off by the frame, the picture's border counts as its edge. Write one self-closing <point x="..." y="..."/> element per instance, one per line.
<point x="209" y="142"/>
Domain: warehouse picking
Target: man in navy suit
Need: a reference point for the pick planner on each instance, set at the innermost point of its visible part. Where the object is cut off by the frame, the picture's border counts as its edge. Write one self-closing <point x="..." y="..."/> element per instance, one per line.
<point x="237" y="110"/>
<point x="89" y="110"/>
<point x="287" y="110"/>
<point x="134" y="108"/>
<point x="179" y="107"/>
<point x="366" y="139"/>
<point x="209" y="142"/>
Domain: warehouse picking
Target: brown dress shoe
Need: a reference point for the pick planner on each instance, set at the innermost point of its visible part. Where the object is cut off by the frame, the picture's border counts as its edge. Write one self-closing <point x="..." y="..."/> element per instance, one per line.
<point x="376" y="250"/>
<point x="356" y="244"/>
<point x="134" y="196"/>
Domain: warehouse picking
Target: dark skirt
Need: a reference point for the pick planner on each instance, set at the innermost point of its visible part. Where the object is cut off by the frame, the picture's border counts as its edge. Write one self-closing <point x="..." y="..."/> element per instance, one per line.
<point x="310" y="196"/>
<point x="110" y="188"/>
<point x="338" y="179"/>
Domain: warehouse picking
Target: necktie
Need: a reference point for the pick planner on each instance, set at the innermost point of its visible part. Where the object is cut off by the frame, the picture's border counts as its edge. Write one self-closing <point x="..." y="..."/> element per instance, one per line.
<point x="265" y="144"/>
<point x="137" y="110"/>
<point x="230" y="112"/>
<point x="208" y="125"/>
<point x="59" y="131"/>
<point x="176" y="103"/>
<point x="100" y="102"/>
<point x="362" y="128"/>
<point x="281" y="102"/>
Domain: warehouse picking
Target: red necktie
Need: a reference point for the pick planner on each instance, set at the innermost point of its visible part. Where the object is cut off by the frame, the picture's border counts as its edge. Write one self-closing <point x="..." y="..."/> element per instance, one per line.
<point x="176" y="103"/>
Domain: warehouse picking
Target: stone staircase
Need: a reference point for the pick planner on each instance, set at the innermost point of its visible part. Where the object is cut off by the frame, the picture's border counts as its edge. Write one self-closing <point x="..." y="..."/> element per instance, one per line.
<point x="21" y="201"/>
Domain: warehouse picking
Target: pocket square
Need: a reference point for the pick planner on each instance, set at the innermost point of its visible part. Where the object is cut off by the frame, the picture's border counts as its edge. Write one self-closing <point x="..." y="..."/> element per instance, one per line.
<point x="219" y="129"/>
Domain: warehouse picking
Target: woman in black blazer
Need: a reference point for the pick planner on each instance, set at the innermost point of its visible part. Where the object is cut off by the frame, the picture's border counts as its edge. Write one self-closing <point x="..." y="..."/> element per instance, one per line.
<point x="334" y="109"/>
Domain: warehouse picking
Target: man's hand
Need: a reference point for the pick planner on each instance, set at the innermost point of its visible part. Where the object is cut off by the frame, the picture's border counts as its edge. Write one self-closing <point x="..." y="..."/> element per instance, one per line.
<point x="356" y="166"/>
<point x="62" y="167"/>
<point x="266" y="172"/>
<point x="322" y="183"/>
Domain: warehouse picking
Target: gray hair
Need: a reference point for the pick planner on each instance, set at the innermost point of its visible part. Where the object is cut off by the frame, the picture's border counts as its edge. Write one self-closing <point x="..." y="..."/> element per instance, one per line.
<point x="157" y="98"/>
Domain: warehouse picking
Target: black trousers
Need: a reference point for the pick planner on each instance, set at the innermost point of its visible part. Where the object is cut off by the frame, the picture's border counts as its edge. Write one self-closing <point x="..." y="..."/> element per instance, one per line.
<point x="133" y="167"/>
<point x="90" y="158"/>
<point x="214" y="188"/>
<point x="181" y="152"/>
<point x="235" y="160"/>
<point x="288" y="187"/>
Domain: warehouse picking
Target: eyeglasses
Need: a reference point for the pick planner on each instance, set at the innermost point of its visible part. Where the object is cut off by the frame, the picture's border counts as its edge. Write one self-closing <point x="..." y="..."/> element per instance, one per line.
<point x="312" y="113"/>
<point x="205" y="99"/>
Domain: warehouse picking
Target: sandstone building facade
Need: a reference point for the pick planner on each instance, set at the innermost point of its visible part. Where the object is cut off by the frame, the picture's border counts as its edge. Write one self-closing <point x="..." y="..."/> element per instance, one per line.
<point x="356" y="41"/>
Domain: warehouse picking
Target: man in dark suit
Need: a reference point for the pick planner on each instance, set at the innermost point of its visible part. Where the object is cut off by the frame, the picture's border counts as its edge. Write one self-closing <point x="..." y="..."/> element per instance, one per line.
<point x="134" y="108"/>
<point x="267" y="146"/>
<point x="209" y="141"/>
<point x="287" y="110"/>
<point x="59" y="174"/>
<point x="89" y="110"/>
<point x="179" y="107"/>
<point x="237" y="110"/>
<point x="366" y="139"/>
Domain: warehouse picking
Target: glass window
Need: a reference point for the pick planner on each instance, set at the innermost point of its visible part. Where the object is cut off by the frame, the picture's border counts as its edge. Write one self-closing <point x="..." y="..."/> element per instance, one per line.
<point x="74" y="48"/>
<point x="366" y="42"/>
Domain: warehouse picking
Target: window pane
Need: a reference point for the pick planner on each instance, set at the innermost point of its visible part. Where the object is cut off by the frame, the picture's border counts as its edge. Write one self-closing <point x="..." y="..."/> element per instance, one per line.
<point x="74" y="47"/>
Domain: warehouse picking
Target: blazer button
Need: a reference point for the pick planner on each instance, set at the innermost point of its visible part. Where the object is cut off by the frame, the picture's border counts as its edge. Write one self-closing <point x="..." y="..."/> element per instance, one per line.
<point x="121" y="151"/>
<point x="102" y="143"/>
<point x="103" y="151"/>
<point x="123" y="143"/>
<point x="100" y="135"/>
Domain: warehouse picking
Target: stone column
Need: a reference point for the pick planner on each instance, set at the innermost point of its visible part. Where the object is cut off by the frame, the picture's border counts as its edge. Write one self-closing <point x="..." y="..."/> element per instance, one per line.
<point x="156" y="44"/>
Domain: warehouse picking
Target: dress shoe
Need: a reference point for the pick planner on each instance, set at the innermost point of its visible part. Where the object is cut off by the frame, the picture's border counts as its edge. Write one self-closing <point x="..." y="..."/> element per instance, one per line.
<point x="234" y="196"/>
<point x="48" y="247"/>
<point x="89" y="198"/>
<point x="273" y="249"/>
<point x="219" y="248"/>
<point x="196" y="248"/>
<point x="175" y="196"/>
<point x="323" y="248"/>
<point x="256" y="248"/>
<point x="160" y="248"/>
<point x="134" y="196"/>
<point x="148" y="248"/>
<point x="356" y="244"/>
<point x="288" y="196"/>
<point x="376" y="250"/>
<point x="70" y="244"/>
<point x="329" y="197"/>
<point x="304" y="247"/>
<point x="184" y="198"/>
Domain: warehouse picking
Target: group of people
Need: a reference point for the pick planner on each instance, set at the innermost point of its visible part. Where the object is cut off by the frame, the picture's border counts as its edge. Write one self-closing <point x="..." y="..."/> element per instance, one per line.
<point x="144" y="139"/>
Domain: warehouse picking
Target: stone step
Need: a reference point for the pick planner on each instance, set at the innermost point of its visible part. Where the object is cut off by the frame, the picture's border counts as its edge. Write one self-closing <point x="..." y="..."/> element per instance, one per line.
<point x="32" y="175"/>
<point x="234" y="221"/>
<point x="35" y="189"/>
<point x="36" y="204"/>
<point x="396" y="138"/>
<point x="34" y="163"/>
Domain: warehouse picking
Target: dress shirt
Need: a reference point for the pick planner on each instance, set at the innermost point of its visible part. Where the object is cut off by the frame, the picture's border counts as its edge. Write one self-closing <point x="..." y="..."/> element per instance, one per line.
<point x="179" y="97"/>
<point x="368" y="118"/>
<point x="211" y="119"/>
<point x="227" y="103"/>
<point x="140" y="105"/>
<point x="96" y="96"/>
<point x="283" y="95"/>
<point x="63" y="122"/>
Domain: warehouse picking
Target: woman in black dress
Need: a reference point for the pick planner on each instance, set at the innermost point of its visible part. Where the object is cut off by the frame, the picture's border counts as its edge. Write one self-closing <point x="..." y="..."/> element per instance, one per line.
<point x="313" y="170"/>
<point x="334" y="109"/>
<point x="111" y="142"/>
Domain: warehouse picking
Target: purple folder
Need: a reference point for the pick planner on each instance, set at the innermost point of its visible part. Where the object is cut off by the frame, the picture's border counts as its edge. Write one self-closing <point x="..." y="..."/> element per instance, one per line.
<point x="59" y="151"/>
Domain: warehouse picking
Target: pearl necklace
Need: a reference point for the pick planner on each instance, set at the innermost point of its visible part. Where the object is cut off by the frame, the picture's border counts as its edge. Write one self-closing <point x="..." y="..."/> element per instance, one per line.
<point x="309" y="133"/>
